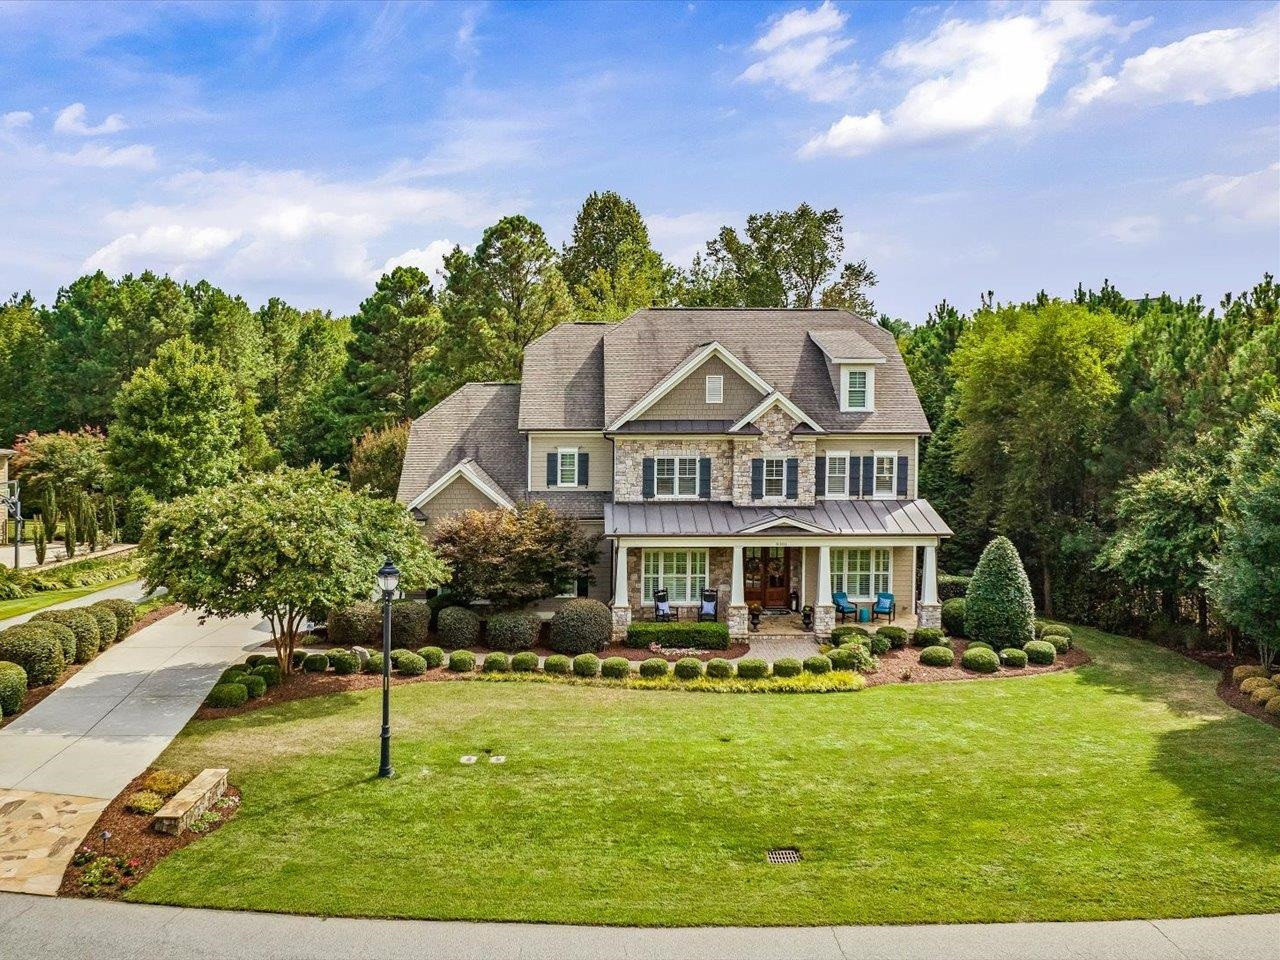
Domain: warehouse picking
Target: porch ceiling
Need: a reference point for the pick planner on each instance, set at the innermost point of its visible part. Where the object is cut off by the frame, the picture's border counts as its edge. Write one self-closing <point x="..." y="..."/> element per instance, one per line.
<point x="826" y="518"/>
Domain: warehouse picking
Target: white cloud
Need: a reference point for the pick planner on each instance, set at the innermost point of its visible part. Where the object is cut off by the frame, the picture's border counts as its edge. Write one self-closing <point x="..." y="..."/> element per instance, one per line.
<point x="1251" y="197"/>
<point x="16" y="118"/>
<point x="969" y="77"/>
<point x="1132" y="229"/>
<point x="72" y="120"/>
<point x="1201" y="68"/>
<point x="429" y="259"/>
<point x="137" y="156"/>
<point x="797" y="51"/>
<point x="176" y="245"/>
<point x="474" y="144"/>
<point x="679" y="236"/>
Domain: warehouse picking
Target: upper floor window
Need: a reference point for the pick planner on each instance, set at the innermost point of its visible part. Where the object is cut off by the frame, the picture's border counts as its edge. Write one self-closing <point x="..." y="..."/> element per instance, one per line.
<point x="886" y="473"/>
<point x="837" y="474"/>
<point x="567" y="475"/>
<point x="676" y="476"/>
<point x="859" y="389"/>
<point x="715" y="388"/>
<point x="775" y="476"/>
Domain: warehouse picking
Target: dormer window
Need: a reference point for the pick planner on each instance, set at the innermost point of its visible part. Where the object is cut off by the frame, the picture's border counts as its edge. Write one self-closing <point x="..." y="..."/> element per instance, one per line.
<point x="858" y="393"/>
<point x="715" y="388"/>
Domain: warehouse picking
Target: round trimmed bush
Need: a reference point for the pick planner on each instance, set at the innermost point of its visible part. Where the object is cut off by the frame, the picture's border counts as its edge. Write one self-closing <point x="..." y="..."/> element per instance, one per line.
<point x="295" y="660"/>
<point x="410" y="664"/>
<point x="1264" y="694"/>
<point x="982" y="644"/>
<point x="1057" y="630"/>
<point x="581" y="626"/>
<point x="953" y="616"/>
<point x="254" y="659"/>
<point x="980" y="660"/>
<point x="753" y="668"/>
<point x="616" y="668"/>
<point x="63" y="634"/>
<point x="461" y="661"/>
<point x="897" y="636"/>
<point x="558" y="664"/>
<point x="233" y="674"/>
<point x="718" y="668"/>
<point x="524" y="662"/>
<point x="586" y="665"/>
<point x="146" y="802"/>
<point x="654" y="667"/>
<point x="458" y="627"/>
<point x="410" y="624"/>
<point x="1060" y="643"/>
<point x="269" y="672"/>
<point x="1253" y="683"/>
<point x="787" y="667"/>
<point x="688" y="668"/>
<point x="496" y="662"/>
<point x="13" y="687"/>
<point x="254" y="685"/>
<point x="998" y="605"/>
<point x="108" y="626"/>
<point x="126" y="615"/>
<point x="227" y="695"/>
<point x="36" y="650"/>
<point x="937" y="656"/>
<point x="928" y="637"/>
<point x="357" y="625"/>
<point x="1013" y="657"/>
<point x="511" y="632"/>
<point x="83" y="624"/>
<point x="877" y="644"/>
<point x="848" y="630"/>
<point x="434" y="657"/>
<point x="344" y="662"/>
<point x="315" y="663"/>
<point x="1273" y="706"/>
<point x="373" y="664"/>
<point x="857" y="656"/>
<point x="1040" y="652"/>
<point x="396" y="655"/>
<point x="817" y="664"/>
<point x="1246" y="671"/>
<point x="843" y="658"/>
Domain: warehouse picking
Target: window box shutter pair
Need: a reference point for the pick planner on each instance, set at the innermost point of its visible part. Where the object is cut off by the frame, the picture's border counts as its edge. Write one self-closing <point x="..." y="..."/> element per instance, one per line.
<point x="820" y="476"/>
<point x="792" y="479"/>
<point x="553" y="468"/>
<point x="648" y="481"/>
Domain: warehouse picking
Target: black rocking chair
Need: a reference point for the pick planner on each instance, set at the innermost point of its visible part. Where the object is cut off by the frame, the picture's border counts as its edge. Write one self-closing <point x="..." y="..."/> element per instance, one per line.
<point x="662" y="609"/>
<point x="710" y="606"/>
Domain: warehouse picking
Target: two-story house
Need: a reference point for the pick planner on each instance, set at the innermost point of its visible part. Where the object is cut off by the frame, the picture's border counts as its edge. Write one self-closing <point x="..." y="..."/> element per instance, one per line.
<point x="753" y="452"/>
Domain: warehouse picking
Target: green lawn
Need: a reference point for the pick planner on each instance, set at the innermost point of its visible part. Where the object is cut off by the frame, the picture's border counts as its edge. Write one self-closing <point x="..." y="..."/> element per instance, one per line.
<point x="1122" y="789"/>
<point x="47" y="598"/>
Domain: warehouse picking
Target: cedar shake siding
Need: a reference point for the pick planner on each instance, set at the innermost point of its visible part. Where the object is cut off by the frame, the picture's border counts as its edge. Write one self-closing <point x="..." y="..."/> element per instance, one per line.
<point x="457" y="496"/>
<point x="688" y="400"/>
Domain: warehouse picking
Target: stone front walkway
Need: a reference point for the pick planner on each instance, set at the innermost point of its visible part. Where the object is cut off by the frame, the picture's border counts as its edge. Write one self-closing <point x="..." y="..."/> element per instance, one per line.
<point x="66" y="758"/>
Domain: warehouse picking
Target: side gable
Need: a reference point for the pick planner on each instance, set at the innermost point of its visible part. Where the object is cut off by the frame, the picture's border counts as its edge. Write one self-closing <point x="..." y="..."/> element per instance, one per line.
<point x="684" y="371"/>
<point x="453" y="485"/>
<point x="773" y="400"/>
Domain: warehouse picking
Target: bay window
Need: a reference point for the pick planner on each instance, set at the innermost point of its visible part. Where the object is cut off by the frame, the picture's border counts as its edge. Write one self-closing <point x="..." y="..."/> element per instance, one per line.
<point x="683" y="573"/>
<point x="861" y="573"/>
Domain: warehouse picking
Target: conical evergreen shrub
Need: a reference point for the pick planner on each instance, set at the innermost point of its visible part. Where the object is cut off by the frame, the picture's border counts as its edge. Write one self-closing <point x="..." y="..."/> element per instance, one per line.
<point x="998" y="605"/>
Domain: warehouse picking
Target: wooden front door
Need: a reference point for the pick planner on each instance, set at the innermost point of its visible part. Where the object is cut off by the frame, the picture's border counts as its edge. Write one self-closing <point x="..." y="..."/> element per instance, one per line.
<point x="767" y="576"/>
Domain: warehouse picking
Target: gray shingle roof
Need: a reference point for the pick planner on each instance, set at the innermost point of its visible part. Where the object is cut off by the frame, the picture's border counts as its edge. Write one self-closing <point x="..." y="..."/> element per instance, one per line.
<point x="845" y="345"/>
<point x="841" y="517"/>
<point x="563" y="379"/>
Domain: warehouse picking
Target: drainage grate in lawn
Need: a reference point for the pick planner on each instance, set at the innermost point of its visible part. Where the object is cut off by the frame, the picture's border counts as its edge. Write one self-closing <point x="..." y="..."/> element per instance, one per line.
<point x="783" y="855"/>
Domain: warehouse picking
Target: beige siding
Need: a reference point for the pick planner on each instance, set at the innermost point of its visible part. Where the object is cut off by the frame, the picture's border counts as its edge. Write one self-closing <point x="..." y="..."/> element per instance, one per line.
<point x="597" y="446"/>
<point x="459" y="495"/>
<point x="902" y="577"/>
<point x="904" y="444"/>
<point x="688" y="399"/>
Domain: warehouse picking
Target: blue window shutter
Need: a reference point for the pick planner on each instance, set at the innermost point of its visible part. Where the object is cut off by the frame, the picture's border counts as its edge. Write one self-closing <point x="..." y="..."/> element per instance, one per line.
<point x="820" y="476"/>
<point x="868" y="476"/>
<point x="646" y="478"/>
<point x="553" y="471"/>
<point x="902" y="478"/>
<point x="704" y="478"/>
<point x="757" y="479"/>
<point x="793" y="478"/>
<point x="583" y="458"/>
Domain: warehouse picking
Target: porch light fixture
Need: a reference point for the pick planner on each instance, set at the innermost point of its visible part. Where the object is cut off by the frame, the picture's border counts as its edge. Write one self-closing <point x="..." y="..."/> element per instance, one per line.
<point x="388" y="581"/>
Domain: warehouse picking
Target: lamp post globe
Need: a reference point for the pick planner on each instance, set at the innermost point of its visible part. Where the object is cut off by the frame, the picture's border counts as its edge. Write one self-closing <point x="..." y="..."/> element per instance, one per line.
<point x="388" y="581"/>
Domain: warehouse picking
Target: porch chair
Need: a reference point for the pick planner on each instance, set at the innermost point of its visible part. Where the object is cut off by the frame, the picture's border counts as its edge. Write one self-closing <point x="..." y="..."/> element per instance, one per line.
<point x="843" y="607"/>
<point x="662" y="611"/>
<point x="883" y="606"/>
<point x="710" y="600"/>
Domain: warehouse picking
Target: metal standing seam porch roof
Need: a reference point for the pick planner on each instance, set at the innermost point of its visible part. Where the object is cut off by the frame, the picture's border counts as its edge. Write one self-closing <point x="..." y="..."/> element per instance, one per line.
<point x="909" y="518"/>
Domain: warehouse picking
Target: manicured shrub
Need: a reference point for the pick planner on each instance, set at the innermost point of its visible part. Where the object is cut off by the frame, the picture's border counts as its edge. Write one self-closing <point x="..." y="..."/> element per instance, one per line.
<point x="144" y="801"/>
<point x="296" y="659"/>
<point x="13" y="687"/>
<point x="654" y="667"/>
<point x="63" y="634"/>
<point x="410" y="624"/>
<point x="953" y="616"/>
<point x="928" y="637"/>
<point x="254" y="685"/>
<point x="108" y="626"/>
<point x="937" y="657"/>
<point x="254" y="659"/>
<point x="980" y="660"/>
<point x="344" y="662"/>
<point x="166" y="782"/>
<point x="998" y="605"/>
<point x="315" y="663"/>
<point x="126" y="615"/>
<point x="458" y="627"/>
<point x="753" y="668"/>
<point x="233" y="674"/>
<point x="36" y="650"/>
<point x="83" y="624"/>
<point x="357" y="625"/>
<point x="1060" y="643"/>
<point x="876" y="643"/>
<point x="817" y="664"/>
<point x="854" y="656"/>
<point x="373" y="664"/>
<point x="586" y="665"/>
<point x="433" y="655"/>
<point x="511" y="632"/>
<point x="396" y="654"/>
<point x="1040" y="652"/>
<point x="524" y="662"/>
<point x="1264" y="694"/>
<point x="982" y="644"/>
<point x="897" y="636"/>
<point x="496" y="662"/>
<point x="1253" y="683"/>
<point x="718" y="668"/>
<point x="269" y="672"/>
<point x="688" y="668"/>
<point x="410" y="664"/>
<point x="952" y="586"/>
<point x="679" y="634"/>
<point x="227" y="695"/>
<point x="581" y="626"/>
<point x="787" y="667"/>
<point x="1273" y="706"/>
<point x="843" y="658"/>
<point x="558" y="664"/>
<point x="848" y="630"/>
<point x="461" y="661"/>
<point x="1246" y="671"/>
<point x="1013" y="657"/>
<point x="1056" y="630"/>
<point x="616" y="668"/>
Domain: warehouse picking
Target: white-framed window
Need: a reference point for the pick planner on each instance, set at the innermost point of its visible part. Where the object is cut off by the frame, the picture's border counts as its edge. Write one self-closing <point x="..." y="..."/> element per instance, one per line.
<point x="837" y="474"/>
<point x="775" y="477"/>
<point x="682" y="572"/>
<point x="675" y="476"/>
<point x="715" y="388"/>
<point x="861" y="573"/>
<point x="567" y="463"/>
<point x="886" y="473"/>
<point x="859" y="389"/>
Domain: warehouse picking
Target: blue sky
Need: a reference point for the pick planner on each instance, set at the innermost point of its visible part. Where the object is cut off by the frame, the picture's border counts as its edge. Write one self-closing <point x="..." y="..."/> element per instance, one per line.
<point x="300" y="149"/>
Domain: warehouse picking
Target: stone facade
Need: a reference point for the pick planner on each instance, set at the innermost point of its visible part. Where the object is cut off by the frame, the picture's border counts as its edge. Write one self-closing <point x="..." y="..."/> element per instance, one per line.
<point x="929" y="614"/>
<point x="775" y="440"/>
<point x="628" y="464"/>
<point x="824" y="620"/>
<point x="719" y="578"/>
<point x="738" y="621"/>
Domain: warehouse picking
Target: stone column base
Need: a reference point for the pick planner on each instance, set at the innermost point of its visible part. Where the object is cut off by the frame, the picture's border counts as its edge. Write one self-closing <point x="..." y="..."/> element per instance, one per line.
<point x="824" y="621"/>
<point x="737" y="621"/>
<point x="621" y="620"/>
<point x="929" y="614"/>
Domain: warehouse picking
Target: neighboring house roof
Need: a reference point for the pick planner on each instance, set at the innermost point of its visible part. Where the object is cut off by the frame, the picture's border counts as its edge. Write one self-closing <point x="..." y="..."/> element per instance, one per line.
<point x="842" y="517"/>
<point x="563" y="379"/>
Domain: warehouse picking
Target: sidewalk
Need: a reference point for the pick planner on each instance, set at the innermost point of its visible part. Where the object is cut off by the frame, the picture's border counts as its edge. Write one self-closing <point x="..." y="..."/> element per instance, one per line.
<point x="41" y="928"/>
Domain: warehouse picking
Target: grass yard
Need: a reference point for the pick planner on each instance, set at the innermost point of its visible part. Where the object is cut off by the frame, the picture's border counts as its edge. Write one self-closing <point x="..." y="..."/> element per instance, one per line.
<point x="47" y="598"/>
<point x="1121" y="789"/>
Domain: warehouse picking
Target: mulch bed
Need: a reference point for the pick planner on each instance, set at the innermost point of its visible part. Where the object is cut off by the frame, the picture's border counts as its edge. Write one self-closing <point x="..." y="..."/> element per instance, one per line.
<point x="133" y="839"/>
<point x="299" y="686"/>
<point x="904" y="666"/>
<point x="1232" y="697"/>
<point x="159" y="613"/>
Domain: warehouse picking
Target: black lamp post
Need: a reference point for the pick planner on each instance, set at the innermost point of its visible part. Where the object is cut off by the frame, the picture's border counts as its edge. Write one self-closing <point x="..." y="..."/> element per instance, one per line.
<point x="388" y="580"/>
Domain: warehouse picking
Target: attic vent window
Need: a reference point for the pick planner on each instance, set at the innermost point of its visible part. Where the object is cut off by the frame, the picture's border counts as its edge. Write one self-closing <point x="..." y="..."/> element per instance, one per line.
<point x="715" y="388"/>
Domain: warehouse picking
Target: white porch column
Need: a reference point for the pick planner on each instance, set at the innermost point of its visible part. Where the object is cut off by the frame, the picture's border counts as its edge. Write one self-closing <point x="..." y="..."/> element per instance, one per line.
<point x="824" y="577"/>
<point x="736" y="618"/>
<point x="620" y="577"/>
<point x="736" y="591"/>
<point x="929" y="575"/>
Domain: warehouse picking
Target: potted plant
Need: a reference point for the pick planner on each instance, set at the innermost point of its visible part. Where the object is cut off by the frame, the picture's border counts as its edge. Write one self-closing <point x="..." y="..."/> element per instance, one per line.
<point x="754" y="611"/>
<point x="806" y="616"/>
